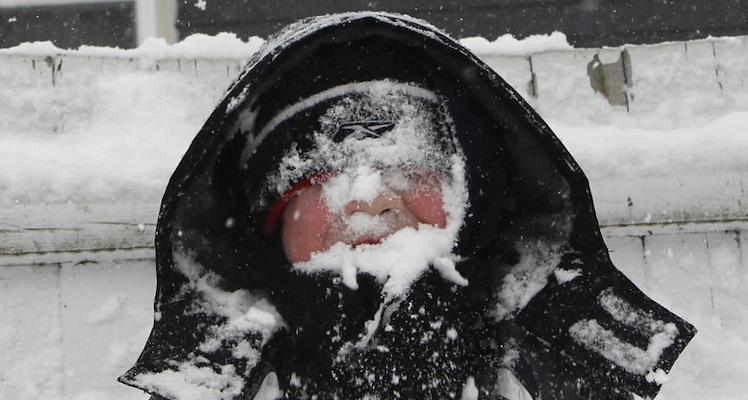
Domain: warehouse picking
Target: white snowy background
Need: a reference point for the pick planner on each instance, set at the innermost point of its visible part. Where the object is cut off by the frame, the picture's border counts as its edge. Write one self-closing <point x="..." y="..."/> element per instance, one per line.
<point x="97" y="132"/>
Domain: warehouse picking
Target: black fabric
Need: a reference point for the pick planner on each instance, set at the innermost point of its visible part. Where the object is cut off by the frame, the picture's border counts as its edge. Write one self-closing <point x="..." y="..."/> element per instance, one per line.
<point x="525" y="192"/>
<point x="550" y="315"/>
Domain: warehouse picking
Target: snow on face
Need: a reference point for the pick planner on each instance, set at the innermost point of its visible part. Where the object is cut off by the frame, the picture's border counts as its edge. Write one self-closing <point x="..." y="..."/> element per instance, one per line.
<point x="402" y="251"/>
<point x="362" y="184"/>
<point x="403" y="165"/>
<point x="360" y="207"/>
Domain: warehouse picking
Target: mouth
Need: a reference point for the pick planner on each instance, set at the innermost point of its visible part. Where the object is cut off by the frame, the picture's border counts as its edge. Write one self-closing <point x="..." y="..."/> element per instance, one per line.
<point x="359" y="230"/>
<point x="366" y="240"/>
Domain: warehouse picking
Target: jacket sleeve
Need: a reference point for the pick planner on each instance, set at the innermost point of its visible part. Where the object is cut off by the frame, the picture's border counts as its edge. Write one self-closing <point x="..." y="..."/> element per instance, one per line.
<point x="590" y="333"/>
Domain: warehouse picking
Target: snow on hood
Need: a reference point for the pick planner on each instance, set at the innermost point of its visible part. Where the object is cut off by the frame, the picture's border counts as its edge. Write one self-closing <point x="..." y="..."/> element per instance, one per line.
<point x="516" y="201"/>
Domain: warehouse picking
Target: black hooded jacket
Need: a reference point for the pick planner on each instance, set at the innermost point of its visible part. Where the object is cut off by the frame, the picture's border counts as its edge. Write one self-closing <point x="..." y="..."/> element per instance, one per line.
<point x="543" y="300"/>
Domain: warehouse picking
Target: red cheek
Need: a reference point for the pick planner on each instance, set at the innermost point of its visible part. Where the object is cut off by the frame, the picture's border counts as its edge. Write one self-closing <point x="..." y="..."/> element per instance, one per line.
<point x="306" y="222"/>
<point x="427" y="205"/>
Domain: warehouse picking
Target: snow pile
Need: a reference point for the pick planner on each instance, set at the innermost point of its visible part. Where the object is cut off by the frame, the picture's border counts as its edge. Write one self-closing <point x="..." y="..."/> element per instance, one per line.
<point x="508" y="45"/>
<point x="717" y="147"/>
<point x="222" y="45"/>
<point x="104" y="140"/>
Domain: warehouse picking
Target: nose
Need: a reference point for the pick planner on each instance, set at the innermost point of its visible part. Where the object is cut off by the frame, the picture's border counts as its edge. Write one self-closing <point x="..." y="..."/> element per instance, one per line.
<point x="384" y="201"/>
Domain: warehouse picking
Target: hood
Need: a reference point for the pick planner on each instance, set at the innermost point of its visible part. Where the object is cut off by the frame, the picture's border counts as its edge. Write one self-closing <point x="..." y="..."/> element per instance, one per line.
<point x="230" y="308"/>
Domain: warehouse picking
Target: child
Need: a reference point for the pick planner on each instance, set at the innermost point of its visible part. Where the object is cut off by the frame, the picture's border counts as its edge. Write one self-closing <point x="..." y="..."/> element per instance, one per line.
<point x="372" y="212"/>
<point x="377" y="194"/>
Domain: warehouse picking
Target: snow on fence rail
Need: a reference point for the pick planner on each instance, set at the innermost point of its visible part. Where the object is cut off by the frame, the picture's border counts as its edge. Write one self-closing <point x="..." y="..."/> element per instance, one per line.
<point x="81" y="110"/>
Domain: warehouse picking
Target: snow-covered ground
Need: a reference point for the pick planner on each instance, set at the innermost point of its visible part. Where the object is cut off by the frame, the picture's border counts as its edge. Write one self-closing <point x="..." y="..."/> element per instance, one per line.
<point x="96" y="128"/>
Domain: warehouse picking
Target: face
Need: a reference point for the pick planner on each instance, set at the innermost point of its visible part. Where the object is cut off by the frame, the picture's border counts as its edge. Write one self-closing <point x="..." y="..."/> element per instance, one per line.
<point x="312" y="223"/>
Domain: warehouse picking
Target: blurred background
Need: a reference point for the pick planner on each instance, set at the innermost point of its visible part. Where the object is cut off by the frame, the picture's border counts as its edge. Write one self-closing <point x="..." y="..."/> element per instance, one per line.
<point x="587" y="23"/>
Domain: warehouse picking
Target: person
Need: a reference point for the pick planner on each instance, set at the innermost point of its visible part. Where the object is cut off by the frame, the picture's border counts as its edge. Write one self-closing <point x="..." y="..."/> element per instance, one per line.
<point x="371" y="212"/>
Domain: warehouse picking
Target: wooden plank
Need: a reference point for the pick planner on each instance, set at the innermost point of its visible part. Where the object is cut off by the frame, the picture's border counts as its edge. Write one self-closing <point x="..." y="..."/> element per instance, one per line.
<point x="71" y="228"/>
<point x="670" y="199"/>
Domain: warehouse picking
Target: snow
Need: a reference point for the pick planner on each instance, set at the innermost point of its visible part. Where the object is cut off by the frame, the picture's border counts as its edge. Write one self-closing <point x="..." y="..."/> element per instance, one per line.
<point x="635" y="360"/>
<point x="403" y="256"/>
<point x="103" y="141"/>
<point x="714" y="147"/>
<point x="115" y="137"/>
<point x="508" y="45"/>
<point x="245" y="315"/>
<point x="191" y="382"/>
<point x="527" y="278"/>
<point x="566" y="275"/>
<point x="470" y="391"/>
<point x="222" y="45"/>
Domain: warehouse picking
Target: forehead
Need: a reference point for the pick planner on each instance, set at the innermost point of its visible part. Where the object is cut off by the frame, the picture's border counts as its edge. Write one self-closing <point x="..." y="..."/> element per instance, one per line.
<point x="390" y="125"/>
